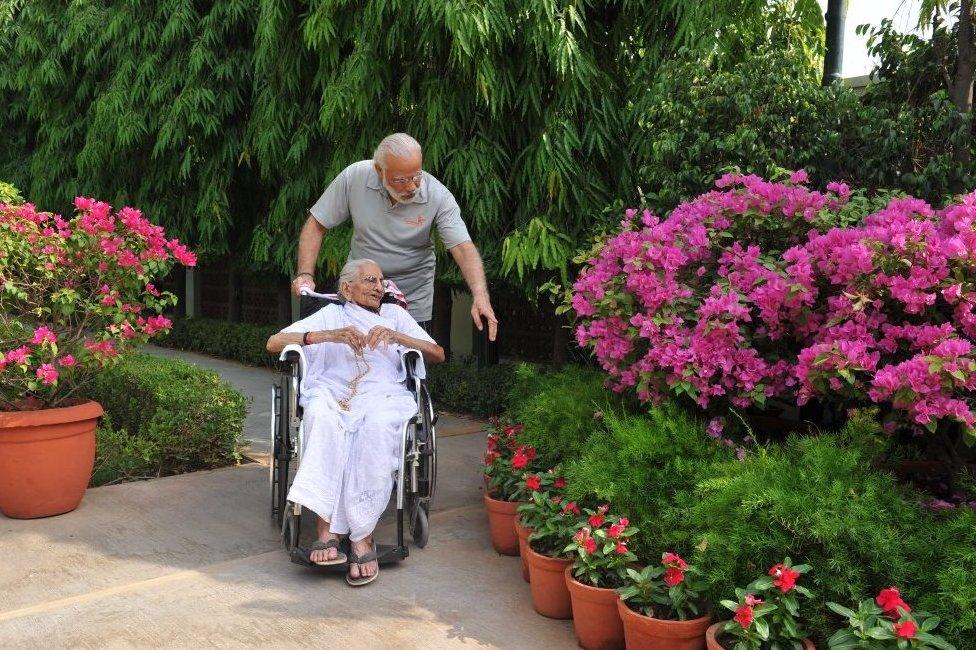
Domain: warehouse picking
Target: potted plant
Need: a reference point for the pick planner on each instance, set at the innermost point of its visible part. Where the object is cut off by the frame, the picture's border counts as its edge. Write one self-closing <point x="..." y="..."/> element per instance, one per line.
<point x="601" y="555"/>
<point x="553" y="520"/>
<point x="765" y="613"/>
<point x="886" y="622"/>
<point x="662" y="608"/>
<point x="74" y="295"/>
<point x="505" y="462"/>
<point x="549" y="484"/>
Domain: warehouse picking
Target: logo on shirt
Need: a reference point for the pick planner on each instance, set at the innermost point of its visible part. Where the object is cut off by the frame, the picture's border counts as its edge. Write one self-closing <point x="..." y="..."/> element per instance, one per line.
<point x="416" y="221"/>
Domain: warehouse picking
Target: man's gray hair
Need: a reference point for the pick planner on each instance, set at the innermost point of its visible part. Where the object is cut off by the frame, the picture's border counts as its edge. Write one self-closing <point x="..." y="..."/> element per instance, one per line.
<point x="398" y="145"/>
<point x="350" y="271"/>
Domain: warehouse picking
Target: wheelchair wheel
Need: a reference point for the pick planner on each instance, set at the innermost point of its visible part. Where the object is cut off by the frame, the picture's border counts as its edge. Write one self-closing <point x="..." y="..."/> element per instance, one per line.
<point x="280" y="453"/>
<point x="291" y="529"/>
<point x="420" y="524"/>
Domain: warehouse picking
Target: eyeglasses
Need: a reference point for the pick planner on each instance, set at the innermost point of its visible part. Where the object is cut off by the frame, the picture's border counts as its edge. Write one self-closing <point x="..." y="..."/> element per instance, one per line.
<point x="403" y="180"/>
<point x="371" y="279"/>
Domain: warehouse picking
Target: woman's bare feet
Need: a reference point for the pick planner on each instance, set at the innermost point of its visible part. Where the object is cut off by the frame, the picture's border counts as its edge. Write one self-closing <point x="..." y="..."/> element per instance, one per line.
<point x="324" y="535"/>
<point x="366" y="569"/>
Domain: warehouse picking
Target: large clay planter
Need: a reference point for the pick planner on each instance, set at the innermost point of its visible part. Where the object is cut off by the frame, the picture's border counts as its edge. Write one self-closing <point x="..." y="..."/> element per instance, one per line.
<point x="523" y="540"/>
<point x="711" y="636"/>
<point x="547" y="581"/>
<point x="46" y="459"/>
<point x="595" y="617"/>
<point x="501" y="524"/>
<point x="646" y="633"/>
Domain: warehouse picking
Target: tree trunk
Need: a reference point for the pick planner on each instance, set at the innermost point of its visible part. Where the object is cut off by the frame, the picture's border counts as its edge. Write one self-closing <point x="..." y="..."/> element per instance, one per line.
<point x="962" y="83"/>
<point x="835" y="18"/>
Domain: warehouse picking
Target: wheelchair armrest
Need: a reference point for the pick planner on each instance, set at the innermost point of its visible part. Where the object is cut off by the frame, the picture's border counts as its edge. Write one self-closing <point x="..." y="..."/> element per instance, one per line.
<point x="411" y="358"/>
<point x="294" y="355"/>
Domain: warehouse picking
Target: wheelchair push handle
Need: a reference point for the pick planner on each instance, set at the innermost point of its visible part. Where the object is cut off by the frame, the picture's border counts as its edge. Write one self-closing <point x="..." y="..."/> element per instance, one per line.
<point x="314" y="294"/>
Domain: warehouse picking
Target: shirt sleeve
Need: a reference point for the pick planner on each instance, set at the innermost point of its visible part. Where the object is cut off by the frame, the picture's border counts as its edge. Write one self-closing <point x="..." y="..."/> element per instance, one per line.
<point x="450" y="226"/>
<point x="405" y="323"/>
<point x="332" y="208"/>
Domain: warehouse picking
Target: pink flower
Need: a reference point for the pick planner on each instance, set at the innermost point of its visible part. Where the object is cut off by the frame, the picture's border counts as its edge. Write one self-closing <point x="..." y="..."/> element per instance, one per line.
<point x="673" y="560"/>
<point x="47" y="374"/>
<point x="785" y="577"/>
<point x="67" y="361"/>
<point x="799" y="176"/>
<point x="596" y="520"/>
<point x="571" y="508"/>
<point x="17" y="355"/>
<point x="752" y="601"/>
<point x="589" y="545"/>
<point x="44" y="335"/>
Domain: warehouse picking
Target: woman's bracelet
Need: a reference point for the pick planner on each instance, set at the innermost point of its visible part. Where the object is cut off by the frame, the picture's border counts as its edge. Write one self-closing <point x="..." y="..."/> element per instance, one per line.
<point x="305" y="338"/>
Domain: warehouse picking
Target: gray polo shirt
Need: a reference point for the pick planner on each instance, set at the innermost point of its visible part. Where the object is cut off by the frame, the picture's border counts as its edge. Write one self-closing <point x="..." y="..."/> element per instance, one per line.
<point x="397" y="237"/>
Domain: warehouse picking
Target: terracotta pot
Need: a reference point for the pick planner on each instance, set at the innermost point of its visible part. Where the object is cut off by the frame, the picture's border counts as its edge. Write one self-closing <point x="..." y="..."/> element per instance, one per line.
<point x="523" y="540"/>
<point x="646" y="633"/>
<point x="46" y="459"/>
<point x="595" y="617"/>
<point x="547" y="581"/>
<point x="501" y="524"/>
<point x="711" y="636"/>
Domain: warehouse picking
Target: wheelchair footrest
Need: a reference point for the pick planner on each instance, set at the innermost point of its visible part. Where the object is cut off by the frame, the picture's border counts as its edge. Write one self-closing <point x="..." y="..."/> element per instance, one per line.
<point x="385" y="553"/>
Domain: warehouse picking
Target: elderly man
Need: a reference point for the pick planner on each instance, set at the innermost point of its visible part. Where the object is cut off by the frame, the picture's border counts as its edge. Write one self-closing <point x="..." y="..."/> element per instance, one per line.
<point x="355" y="404"/>
<point x="393" y="205"/>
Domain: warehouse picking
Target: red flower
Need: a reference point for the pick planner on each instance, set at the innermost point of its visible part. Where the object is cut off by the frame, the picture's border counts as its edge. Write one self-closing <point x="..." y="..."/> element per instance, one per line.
<point x="596" y="520"/>
<point x="603" y="509"/>
<point x="533" y="482"/>
<point x="621" y="548"/>
<point x="785" y="577"/>
<point x="743" y="616"/>
<point x="615" y="530"/>
<point x="559" y="483"/>
<point x="673" y="576"/>
<point x="520" y="460"/>
<point x="624" y="522"/>
<point x="491" y="457"/>
<point x="906" y="629"/>
<point x="589" y="544"/>
<point x="571" y="507"/>
<point x="529" y="452"/>
<point x="890" y="600"/>
<point x="674" y="560"/>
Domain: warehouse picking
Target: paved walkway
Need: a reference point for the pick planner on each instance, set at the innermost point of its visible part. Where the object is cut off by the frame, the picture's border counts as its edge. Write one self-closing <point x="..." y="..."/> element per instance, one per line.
<point x="192" y="560"/>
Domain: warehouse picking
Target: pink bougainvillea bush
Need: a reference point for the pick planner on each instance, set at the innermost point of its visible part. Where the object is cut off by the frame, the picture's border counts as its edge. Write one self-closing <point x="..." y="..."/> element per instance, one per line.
<point x="75" y="294"/>
<point x="762" y="289"/>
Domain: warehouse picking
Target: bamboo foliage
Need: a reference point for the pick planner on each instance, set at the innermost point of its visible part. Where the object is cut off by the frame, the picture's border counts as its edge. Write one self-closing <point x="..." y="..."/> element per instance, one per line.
<point x="226" y="119"/>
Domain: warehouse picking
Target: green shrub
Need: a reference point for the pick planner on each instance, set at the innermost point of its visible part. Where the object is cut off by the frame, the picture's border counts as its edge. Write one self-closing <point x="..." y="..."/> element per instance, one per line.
<point x="165" y="416"/>
<point x="561" y="409"/>
<point x="818" y="503"/>
<point x="9" y="194"/>
<point x="241" y="342"/>
<point x="638" y="464"/>
<point x="953" y="597"/>
<point x="462" y="387"/>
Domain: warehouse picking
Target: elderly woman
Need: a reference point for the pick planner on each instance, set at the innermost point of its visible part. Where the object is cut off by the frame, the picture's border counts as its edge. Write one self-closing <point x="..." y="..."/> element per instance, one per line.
<point x="355" y="404"/>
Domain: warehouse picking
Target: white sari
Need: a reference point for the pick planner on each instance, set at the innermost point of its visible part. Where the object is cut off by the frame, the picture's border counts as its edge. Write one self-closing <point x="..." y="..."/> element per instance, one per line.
<point x="349" y="457"/>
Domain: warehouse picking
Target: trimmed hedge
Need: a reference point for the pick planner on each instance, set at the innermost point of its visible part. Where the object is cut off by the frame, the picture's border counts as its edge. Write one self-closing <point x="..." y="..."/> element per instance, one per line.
<point x="458" y="385"/>
<point x="241" y="342"/>
<point x="164" y="416"/>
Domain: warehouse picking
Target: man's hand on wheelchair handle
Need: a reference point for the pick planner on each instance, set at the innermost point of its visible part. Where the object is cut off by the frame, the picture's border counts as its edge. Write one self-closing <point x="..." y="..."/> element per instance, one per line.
<point x="481" y="308"/>
<point x="302" y="281"/>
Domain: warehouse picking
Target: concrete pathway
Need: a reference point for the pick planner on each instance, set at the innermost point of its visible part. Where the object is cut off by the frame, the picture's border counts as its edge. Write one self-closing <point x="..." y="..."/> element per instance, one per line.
<point x="193" y="560"/>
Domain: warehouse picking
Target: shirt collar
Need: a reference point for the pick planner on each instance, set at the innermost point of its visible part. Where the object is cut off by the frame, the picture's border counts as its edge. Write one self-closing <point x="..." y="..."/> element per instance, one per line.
<point x="373" y="182"/>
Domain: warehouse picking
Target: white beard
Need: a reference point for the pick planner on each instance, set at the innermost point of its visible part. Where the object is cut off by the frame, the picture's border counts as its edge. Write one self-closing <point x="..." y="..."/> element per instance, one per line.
<point x="398" y="196"/>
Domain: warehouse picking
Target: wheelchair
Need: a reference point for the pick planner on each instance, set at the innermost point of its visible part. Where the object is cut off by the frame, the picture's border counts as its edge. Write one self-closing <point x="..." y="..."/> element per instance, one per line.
<point x="416" y="476"/>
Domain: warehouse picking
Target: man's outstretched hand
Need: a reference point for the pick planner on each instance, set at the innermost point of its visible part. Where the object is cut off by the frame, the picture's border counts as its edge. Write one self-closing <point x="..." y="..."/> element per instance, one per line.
<point x="481" y="308"/>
